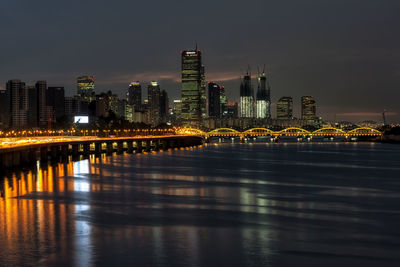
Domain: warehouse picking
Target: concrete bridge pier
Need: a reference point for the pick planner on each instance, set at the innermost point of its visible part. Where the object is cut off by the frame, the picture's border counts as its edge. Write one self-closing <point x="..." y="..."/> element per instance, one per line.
<point x="54" y="153"/>
<point x="86" y="149"/>
<point x="147" y="146"/>
<point x="97" y="148"/>
<point x="164" y="144"/>
<point x="110" y="148"/>
<point x="139" y="147"/>
<point x="75" y="150"/>
<point x="120" y="147"/>
<point x="242" y="139"/>
<point x="64" y="151"/>
<point x="130" y="147"/>
<point x="16" y="158"/>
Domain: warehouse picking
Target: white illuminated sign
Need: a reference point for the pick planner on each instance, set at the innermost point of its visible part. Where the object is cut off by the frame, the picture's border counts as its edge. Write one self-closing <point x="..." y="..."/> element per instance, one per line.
<point x="81" y="119"/>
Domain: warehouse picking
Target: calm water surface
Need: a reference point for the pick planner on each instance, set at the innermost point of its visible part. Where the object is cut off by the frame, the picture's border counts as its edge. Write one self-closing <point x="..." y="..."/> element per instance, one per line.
<point x="217" y="205"/>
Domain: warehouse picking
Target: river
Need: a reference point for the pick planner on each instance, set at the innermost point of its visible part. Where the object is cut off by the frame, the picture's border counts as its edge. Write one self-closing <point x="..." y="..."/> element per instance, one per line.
<point x="256" y="204"/>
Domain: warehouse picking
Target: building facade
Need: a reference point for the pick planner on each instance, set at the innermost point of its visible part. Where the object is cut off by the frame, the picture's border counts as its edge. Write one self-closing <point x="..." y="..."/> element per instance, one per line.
<point x="193" y="88"/>
<point x="85" y="86"/>
<point x="263" y="98"/>
<point x="284" y="108"/>
<point x="214" y="100"/>
<point x="308" y="108"/>
<point x="153" y="95"/>
<point x="18" y="97"/>
<point x="246" y="98"/>
<point x="135" y="96"/>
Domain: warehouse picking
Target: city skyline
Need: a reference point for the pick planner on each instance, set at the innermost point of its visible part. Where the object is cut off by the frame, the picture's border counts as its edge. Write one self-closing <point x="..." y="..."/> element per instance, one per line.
<point x="321" y="50"/>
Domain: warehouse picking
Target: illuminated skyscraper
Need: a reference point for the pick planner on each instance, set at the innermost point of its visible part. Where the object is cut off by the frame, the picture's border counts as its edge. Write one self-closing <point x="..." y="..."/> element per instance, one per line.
<point x="263" y="106"/>
<point x="214" y="100"/>
<point x="308" y="109"/>
<point x="154" y="103"/>
<point x="193" y="88"/>
<point x="85" y="86"/>
<point x="135" y="96"/>
<point x="18" y="97"/>
<point x="284" y="108"/>
<point x="246" y="98"/>
<point x="222" y="100"/>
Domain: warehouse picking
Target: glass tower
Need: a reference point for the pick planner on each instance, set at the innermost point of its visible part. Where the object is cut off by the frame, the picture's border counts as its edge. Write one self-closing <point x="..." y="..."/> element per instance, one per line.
<point x="308" y="109"/>
<point x="85" y="86"/>
<point x="284" y="108"/>
<point x="193" y="88"/>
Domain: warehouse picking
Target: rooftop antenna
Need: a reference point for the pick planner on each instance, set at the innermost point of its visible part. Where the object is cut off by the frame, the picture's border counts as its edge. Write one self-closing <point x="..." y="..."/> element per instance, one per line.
<point x="196" y="45"/>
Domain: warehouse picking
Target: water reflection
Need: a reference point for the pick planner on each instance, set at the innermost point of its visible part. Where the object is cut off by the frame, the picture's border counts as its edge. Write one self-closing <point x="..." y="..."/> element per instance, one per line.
<point x="268" y="204"/>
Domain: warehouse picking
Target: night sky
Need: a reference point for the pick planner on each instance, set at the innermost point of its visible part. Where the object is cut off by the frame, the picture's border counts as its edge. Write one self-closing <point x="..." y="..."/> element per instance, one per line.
<point x="345" y="53"/>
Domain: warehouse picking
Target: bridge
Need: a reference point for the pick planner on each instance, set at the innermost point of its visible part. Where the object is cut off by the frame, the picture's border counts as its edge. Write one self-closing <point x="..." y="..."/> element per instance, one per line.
<point x="24" y="151"/>
<point x="290" y="132"/>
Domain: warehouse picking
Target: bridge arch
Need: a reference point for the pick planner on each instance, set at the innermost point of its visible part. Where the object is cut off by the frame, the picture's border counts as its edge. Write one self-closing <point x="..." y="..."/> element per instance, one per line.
<point x="224" y="130"/>
<point x="293" y="130"/>
<point x="258" y="130"/>
<point x="364" y="131"/>
<point x="333" y="130"/>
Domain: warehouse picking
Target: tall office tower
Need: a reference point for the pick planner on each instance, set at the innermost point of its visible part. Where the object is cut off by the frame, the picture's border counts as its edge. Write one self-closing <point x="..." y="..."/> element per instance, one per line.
<point x="246" y="98"/>
<point x="203" y="96"/>
<point x="192" y="88"/>
<point x="153" y="95"/>
<point x="177" y="111"/>
<point x="284" y="108"/>
<point x="4" y="109"/>
<point x="41" y="87"/>
<point x="308" y="109"/>
<point x="33" y="108"/>
<point x="55" y="99"/>
<point x="135" y="96"/>
<point x="164" y="106"/>
<point x="214" y="100"/>
<point x="85" y="86"/>
<point x="222" y="101"/>
<point x="263" y="106"/>
<point x="18" y="98"/>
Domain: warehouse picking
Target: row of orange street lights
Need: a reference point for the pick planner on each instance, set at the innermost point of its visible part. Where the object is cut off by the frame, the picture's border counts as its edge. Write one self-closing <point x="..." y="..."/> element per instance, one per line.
<point x="74" y="132"/>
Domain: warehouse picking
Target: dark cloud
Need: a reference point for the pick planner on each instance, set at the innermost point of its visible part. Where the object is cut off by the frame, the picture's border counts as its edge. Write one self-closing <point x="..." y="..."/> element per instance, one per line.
<point x="344" y="52"/>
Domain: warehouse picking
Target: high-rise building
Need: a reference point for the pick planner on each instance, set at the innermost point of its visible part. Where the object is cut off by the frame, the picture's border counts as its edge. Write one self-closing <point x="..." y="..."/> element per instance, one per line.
<point x="246" y="98"/>
<point x="18" y="98"/>
<point x="4" y="109"/>
<point x="43" y="116"/>
<point x="153" y="96"/>
<point x="222" y="101"/>
<point x="135" y="95"/>
<point x="75" y="105"/>
<point x="308" y="109"/>
<point x="214" y="100"/>
<point x="177" y="111"/>
<point x="85" y="86"/>
<point x="284" y="108"/>
<point x="33" y="108"/>
<point x="193" y="88"/>
<point x="55" y="99"/>
<point x="203" y="97"/>
<point x="164" y="106"/>
<point x="263" y="98"/>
